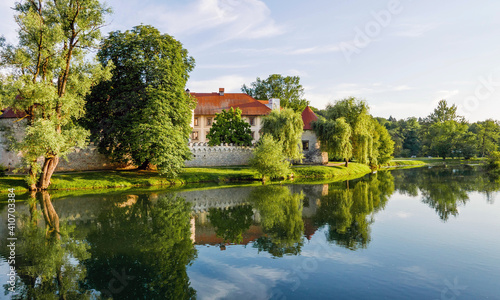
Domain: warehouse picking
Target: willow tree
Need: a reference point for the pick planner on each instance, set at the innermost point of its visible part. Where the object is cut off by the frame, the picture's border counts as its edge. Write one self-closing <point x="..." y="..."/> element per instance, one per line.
<point x="370" y="143"/>
<point x="335" y="137"/>
<point x="52" y="75"/>
<point x="286" y="126"/>
<point x="143" y="113"/>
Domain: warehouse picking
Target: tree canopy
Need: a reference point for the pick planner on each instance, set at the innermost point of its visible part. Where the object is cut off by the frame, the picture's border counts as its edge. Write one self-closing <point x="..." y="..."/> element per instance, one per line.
<point x="229" y="127"/>
<point x="143" y="113"/>
<point x="268" y="158"/>
<point x="286" y="88"/>
<point x="349" y="131"/>
<point x="286" y="126"/>
<point x="50" y="72"/>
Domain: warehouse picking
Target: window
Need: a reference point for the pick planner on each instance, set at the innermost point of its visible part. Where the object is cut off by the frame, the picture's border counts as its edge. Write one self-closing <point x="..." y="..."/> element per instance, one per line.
<point x="194" y="135"/>
<point x="209" y="121"/>
<point x="305" y="145"/>
<point x="251" y="120"/>
<point x="196" y="121"/>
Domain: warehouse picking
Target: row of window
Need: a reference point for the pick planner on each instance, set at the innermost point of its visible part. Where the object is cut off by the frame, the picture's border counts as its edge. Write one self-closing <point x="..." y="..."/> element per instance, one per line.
<point x="251" y="121"/>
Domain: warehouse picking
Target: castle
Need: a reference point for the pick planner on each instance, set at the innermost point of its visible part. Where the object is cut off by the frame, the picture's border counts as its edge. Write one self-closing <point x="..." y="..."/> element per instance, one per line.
<point x="203" y="117"/>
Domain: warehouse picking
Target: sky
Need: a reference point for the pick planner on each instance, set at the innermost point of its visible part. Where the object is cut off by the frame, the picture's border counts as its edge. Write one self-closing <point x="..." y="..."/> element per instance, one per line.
<point x="400" y="56"/>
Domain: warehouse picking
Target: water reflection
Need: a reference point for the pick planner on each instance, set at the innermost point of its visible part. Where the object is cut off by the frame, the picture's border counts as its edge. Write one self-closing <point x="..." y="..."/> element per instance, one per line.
<point x="140" y="249"/>
<point x="281" y="220"/>
<point x="349" y="206"/>
<point x="46" y="268"/>
<point x="139" y="245"/>
<point x="446" y="189"/>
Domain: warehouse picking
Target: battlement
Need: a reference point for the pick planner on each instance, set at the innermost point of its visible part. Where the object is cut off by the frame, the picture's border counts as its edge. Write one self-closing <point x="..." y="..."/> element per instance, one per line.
<point x="223" y="155"/>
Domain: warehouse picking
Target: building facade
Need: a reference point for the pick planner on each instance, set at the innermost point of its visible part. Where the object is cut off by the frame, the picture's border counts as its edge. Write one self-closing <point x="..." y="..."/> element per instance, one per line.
<point x="209" y="104"/>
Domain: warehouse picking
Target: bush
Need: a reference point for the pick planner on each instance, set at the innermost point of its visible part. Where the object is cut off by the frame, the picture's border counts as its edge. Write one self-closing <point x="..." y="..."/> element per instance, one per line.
<point x="268" y="159"/>
<point x="494" y="160"/>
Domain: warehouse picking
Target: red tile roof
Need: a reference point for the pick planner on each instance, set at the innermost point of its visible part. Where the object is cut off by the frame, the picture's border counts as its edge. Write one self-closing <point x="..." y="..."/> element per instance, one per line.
<point x="9" y="113"/>
<point x="212" y="103"/>
<point x="307" y="117"/>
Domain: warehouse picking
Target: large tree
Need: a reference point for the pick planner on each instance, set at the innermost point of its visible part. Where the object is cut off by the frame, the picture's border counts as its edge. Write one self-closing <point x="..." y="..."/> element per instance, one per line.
<point x="286" y="126"/>
<point x="349" y="131"/>
<point x="287" y="88"/>
<point x="143" y="113"/>
<point x="51" y="74"/>
<point x="335" y="137"/>
<point x="229" y="127"/>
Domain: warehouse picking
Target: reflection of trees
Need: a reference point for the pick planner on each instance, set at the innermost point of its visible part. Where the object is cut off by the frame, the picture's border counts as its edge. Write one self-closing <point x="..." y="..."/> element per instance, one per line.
<point x="281" y="219"/>
<point x="47" y="262"/>
<point x="348" y="207"/>
<point x="140" y="251"/>
<point x="230" y="223"/>
<point x="445" y="189"/>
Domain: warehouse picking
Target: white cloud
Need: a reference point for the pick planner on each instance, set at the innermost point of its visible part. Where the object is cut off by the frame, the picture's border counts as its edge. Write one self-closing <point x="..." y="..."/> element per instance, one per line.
<point x="224" y="19"/>
<point x="234" y="282"/>
<point x="231" y="83"/>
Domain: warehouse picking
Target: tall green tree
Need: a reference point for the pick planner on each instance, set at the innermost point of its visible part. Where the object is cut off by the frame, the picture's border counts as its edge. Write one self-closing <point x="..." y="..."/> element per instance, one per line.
<point x="268" y="159"/>
<point x="229" y="127"/>
<point x="143" y="113"/>
<point x="487" y="135"/>
<point x="52" y="76"/>
<point x="286" y="126"/>
<point x="287" y="88"/>
<point x="335" y="137"/>
<point x="371" y="143"/>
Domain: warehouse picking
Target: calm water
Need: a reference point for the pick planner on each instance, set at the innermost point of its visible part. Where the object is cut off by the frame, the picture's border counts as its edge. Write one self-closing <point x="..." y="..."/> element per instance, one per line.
<point x="427" y="233"/>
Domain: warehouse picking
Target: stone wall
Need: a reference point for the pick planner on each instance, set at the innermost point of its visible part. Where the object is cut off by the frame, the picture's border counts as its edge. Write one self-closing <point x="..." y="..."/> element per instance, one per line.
<point x="203" y="155"/>
<point x="80" y="160"/>
<point x="224" y="155"/>
<point x="313" y="156"/>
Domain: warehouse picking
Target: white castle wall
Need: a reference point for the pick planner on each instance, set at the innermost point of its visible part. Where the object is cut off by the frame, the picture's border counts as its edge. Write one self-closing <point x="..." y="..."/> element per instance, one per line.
<point x="224" y="155"/>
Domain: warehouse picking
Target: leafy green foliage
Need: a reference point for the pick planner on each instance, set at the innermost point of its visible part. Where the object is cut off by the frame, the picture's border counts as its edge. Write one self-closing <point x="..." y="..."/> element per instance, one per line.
<point x="335" y="137"/>
<point x="348" y="206"/>
<point x="286" y="126"/>
<point x="494" y="160"/>
<point x="229" y="127"/>
<point x="348" y="131"/>
<point x="49" y="261"/>
<point x="281" y="219"/>
<point x="288" y="89"/>
<point x="143" y="114"/>
<point x="268" y="159"/>
<point x="52" y="76"/>
<point x="157" y="260"/>
<point x="231" y="223"/>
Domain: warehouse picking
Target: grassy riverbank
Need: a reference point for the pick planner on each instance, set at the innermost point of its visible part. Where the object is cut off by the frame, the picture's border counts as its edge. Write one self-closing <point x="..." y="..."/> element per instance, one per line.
<point x="124" y="179"/>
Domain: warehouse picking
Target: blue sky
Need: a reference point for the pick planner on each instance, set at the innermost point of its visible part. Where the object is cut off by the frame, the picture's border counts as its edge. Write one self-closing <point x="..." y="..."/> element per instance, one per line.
<point x="402" y="57"/>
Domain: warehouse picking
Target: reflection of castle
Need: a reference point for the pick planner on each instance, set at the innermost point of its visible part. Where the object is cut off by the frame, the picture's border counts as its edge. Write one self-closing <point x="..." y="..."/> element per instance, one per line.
<point x="85" y="209"/>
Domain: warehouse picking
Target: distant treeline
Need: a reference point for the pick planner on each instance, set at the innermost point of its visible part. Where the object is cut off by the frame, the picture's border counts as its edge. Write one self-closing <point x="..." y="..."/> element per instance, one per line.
<point x="442" y="134"/>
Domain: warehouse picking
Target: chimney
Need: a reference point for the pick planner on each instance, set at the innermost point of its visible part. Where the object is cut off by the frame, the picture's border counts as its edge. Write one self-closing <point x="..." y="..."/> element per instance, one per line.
<point x="221" y="91"/>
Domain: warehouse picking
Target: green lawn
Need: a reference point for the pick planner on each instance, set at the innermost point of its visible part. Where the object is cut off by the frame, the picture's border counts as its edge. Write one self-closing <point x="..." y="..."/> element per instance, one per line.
<point x="127" y="179"/>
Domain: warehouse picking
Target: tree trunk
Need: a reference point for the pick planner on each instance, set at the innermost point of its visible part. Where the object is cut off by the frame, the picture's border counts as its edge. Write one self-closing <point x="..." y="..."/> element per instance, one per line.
<point x="50" y="215"/>
<point x="49" y="166"/>
<point x="346" y="162"/>
<point x="32" y="208"/>
<point x="146" y="165"/>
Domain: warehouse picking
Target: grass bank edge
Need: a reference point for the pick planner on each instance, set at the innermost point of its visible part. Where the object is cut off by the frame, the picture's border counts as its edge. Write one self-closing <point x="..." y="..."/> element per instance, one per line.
<point x="129" y="179"/>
